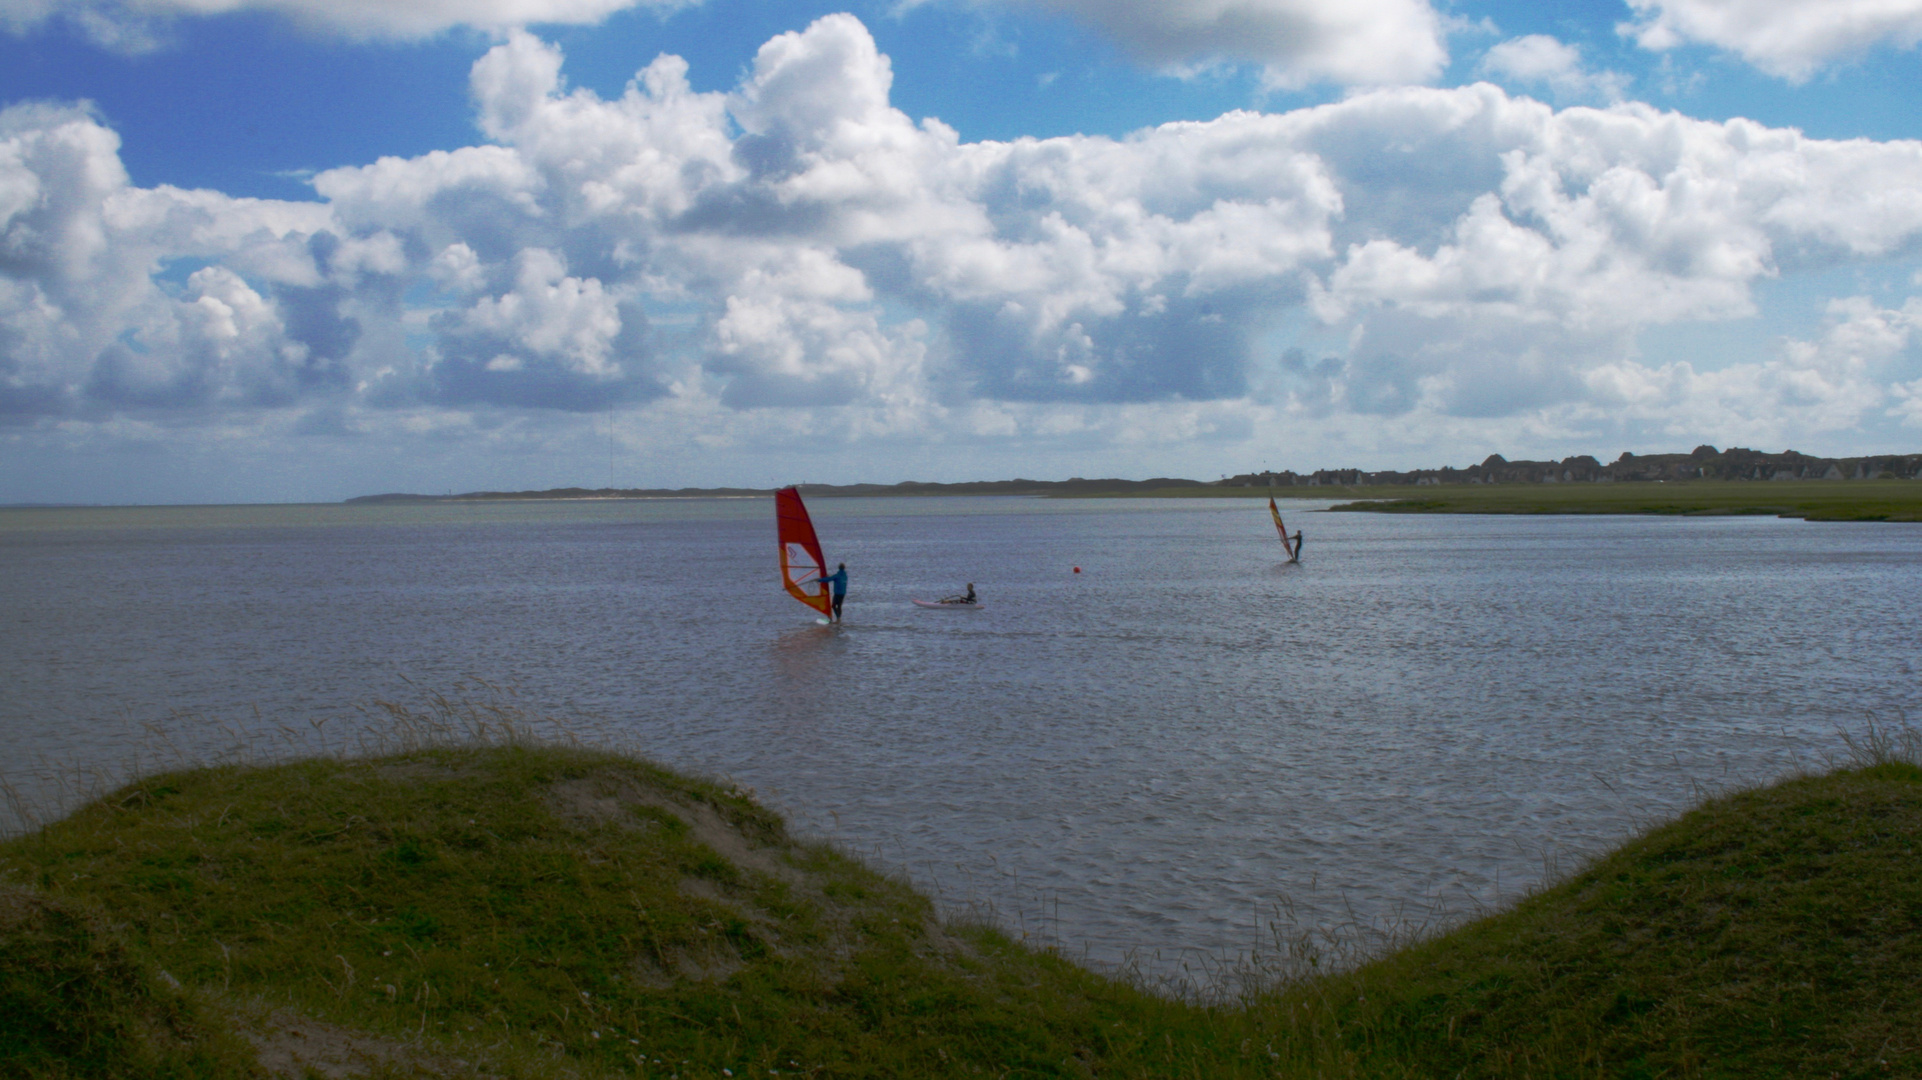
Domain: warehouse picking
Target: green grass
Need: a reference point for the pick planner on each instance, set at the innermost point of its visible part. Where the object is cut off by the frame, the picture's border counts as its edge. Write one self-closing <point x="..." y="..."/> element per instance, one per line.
<point x="1774" y="933"/>
<point x="1815" y="500"/>
<point x="74" y="1002"/>
<point x="541" y="908"/>
<point x="526" y="911"/>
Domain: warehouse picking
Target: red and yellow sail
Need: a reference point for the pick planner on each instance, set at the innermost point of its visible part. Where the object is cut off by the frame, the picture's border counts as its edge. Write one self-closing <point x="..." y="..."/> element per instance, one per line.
<point x="801" y="560"/>
<point x="1275" y="511"/>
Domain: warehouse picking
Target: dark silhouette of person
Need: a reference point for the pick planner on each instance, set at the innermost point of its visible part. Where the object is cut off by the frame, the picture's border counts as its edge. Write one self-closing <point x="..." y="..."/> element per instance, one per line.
<point x="837" y="582"/>
<point x="1296" y="556"/>
<point x="968" y="599"/>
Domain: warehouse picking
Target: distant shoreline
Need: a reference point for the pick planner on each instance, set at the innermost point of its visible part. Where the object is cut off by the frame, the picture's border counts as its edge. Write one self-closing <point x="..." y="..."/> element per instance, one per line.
<point x="1701" y="469"/>
<point x="1812" y="500"/>
<point x="1050" y="488"/>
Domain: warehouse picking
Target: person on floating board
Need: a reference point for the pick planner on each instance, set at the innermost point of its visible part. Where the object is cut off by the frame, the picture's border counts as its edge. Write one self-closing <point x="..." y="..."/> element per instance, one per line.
<point x="968" y="599"/>
<point x="1296" y="555"/>
<point x="838" y="582"/>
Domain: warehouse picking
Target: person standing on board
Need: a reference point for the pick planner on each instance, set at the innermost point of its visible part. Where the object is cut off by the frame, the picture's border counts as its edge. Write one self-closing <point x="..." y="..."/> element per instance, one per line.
<point x="1296" y="557"/>
<point x="838" y="582"/>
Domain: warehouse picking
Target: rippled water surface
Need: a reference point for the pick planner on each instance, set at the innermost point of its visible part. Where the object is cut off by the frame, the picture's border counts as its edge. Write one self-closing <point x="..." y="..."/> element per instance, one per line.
<point x="1145" y="756"/>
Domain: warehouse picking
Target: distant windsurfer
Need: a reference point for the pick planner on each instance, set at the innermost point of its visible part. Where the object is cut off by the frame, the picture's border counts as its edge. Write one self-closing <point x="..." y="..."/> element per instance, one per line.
<point x="968" y="599"/>
<point x="838" y="583"/>
<point x="1291" y="545"/>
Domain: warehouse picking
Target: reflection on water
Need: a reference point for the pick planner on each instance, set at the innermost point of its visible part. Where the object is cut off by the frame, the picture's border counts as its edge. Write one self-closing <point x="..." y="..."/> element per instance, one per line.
<point x="1146" y="755"/>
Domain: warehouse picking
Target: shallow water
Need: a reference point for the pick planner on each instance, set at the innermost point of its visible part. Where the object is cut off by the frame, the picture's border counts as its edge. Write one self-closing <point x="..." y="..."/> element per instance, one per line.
<point x="1147" y="756"/>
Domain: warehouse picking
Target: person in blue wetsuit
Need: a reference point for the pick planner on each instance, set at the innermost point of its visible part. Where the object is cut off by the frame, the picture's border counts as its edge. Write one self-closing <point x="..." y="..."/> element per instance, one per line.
<point x="838" y="583"/>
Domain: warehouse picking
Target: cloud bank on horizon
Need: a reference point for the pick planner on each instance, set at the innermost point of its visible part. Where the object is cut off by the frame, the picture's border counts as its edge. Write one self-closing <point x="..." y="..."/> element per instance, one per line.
<point x="796" y="269"/>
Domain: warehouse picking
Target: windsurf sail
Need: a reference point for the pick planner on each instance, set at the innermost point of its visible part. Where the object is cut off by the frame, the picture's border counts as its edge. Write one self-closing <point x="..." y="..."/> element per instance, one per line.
<point x="1275" y="512"/>
<point x="801" y="561"/>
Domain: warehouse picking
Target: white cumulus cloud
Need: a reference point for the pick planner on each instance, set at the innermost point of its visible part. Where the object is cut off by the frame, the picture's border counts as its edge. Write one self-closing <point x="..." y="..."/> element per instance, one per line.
<point x="1837" y="382"/>
<point x="1540" y="60"/>
<point x="83" y="321"/>
<point x="1788" y="38"/>
<point x="797" y="262"/>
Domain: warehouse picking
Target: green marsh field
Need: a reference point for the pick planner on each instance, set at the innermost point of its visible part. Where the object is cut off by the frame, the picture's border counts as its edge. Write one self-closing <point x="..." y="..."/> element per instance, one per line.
<point x="1813" y="500"/>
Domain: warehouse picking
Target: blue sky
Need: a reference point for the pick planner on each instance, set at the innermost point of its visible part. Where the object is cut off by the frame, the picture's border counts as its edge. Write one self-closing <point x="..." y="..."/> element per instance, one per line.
<point x="295" y="250"/>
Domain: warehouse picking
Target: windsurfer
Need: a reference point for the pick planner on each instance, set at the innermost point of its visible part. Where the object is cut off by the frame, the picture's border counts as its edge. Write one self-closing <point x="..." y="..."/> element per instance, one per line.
<point x="838" y="582"/>
<point x="968" y="599"/>
<point x="1291" y="545"/>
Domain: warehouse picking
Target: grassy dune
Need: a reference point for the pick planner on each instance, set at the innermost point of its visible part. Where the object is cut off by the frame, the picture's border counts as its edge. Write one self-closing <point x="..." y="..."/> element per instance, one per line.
<point x="538" y="912"/>
<point x="1772" y="933"/>
<point x="1814" y="500"/>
